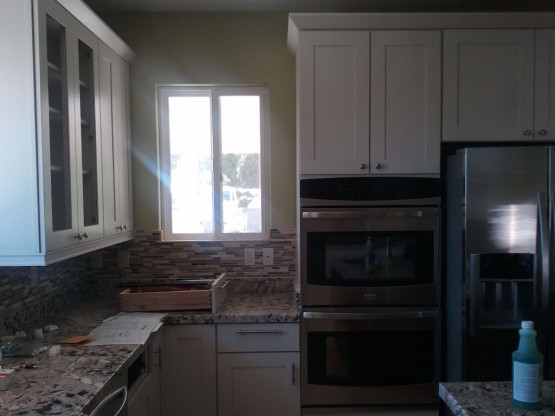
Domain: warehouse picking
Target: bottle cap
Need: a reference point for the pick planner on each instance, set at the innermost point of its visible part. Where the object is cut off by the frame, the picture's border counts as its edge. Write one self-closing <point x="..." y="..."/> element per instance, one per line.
<point x="527" y="325"/>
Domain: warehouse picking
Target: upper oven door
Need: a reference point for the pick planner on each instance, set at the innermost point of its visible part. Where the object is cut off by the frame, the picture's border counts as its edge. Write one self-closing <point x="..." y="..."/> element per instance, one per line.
<point x="369" y="256"/>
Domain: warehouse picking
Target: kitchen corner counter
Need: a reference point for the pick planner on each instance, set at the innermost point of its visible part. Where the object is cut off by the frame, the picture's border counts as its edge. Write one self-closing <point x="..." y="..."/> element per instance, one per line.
<point x="491" y="399"/>
<point x="75" y="381"/>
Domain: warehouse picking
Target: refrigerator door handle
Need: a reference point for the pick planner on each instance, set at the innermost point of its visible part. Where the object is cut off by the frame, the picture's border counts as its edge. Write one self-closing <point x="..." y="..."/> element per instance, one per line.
<point x="541" y="290"/>
<point x="546" y="331"/>
<point x="474" y="313"/>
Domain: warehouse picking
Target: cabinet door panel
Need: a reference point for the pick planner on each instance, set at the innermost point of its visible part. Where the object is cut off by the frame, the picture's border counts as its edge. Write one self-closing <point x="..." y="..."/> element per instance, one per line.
<point x="545" y="85"/>
<point x="405" y="102"/>
<point x="116" y="153"/>
<point x="56" y="48"/>
<point x="189" y="370"/>
<point x="333" y="101"/>
<point x="88" y="146"/>
<point x="488" y="85"/>
<point x="258" y="384"/>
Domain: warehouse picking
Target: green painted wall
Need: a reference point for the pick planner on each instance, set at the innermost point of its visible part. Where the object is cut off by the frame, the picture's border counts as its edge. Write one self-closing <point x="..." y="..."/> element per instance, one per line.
<point x="209" y="48"/>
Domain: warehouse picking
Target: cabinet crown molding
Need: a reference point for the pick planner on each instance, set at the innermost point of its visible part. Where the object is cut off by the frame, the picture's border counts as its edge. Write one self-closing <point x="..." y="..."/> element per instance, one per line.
<point x="89" y="18"/>
<point x="408" y="21"/>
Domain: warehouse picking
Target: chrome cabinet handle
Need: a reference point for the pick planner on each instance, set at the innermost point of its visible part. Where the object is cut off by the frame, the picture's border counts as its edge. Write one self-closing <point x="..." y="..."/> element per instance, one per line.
<point x="363" y="166"/>
<point x="378" y="166"/>
<point x="542" y="132"/>
<point x="527" y="132"/>
<point x="122" y="227"/>
<point x="85" y="235"/>
<point x="258" y="331"/>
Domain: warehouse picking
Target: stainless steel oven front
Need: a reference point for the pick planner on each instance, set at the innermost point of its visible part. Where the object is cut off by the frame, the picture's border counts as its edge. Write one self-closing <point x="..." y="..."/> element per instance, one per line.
<point x="369" y="356"/>
<point x="369" y="256"/>
<point x="369" y="241"/>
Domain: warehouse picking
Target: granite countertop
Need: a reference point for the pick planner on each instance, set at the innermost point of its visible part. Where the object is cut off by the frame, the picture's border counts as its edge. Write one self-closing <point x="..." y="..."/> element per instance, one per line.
<point x="73" y="382"/>
<point x="491" y="399"/>
<point x="65" y="384"/>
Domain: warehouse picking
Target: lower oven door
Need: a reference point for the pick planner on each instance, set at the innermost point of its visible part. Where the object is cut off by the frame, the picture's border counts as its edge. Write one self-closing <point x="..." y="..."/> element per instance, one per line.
<point x="369" y="356"/>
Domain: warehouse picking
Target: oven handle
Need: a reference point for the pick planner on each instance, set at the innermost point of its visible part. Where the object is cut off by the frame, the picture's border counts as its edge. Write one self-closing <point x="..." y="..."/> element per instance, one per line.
<point x="372" y="213"/>
<point x="370" y="315"/>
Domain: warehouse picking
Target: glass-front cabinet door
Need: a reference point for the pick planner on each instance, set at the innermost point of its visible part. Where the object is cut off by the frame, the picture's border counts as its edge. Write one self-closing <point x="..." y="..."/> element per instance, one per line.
<point x="69" y="108"/>
<point x="89" y="169"/>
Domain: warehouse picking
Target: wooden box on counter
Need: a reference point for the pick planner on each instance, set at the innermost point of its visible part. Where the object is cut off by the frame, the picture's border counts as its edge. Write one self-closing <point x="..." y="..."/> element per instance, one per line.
<point x="173" y="296"/>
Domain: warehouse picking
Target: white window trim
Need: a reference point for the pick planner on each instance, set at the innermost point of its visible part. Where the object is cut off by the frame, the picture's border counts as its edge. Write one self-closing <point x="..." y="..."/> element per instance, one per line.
<point x="163" y="92"/>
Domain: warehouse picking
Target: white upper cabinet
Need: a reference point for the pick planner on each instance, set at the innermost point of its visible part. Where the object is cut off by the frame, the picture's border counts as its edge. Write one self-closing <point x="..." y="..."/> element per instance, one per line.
<point x="544" y="116"/>
<point x="116" y="143"/>
<point x="369" y="102"/>
<point x="68" y="62"/>
<point x="51" y="160"/>
<point x="333" y="101"/>
<point x="405" y="106"/>
<point x="499" y="85"/>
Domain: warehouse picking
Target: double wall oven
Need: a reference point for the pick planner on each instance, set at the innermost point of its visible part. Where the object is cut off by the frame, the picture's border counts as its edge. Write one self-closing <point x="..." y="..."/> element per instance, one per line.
<point x="369" y="265"/>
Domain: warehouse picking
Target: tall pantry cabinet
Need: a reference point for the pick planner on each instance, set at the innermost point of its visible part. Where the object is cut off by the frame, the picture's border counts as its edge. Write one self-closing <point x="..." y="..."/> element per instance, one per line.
<point x="51" y="164"/>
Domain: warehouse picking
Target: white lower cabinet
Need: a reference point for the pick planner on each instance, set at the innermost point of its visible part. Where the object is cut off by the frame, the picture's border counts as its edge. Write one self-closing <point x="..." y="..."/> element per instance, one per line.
<point x="258" y="370"/>
<point x="252" y="384"/>
<point x="228" y="370"/>
<point x="189" y="371"/>
<point x="144" y="395"/>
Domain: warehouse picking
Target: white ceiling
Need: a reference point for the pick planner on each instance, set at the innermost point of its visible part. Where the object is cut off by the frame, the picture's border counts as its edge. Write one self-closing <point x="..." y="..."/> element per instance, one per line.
<point x="103" y="6"/>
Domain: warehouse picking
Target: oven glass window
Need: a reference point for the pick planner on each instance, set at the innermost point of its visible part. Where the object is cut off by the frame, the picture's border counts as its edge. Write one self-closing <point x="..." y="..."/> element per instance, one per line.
<point x="370" y="259"/>
<point x="370" y="358"/>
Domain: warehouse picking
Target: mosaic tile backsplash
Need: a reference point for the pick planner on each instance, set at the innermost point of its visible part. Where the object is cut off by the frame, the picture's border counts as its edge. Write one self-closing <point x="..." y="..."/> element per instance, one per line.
<point x="27" y="293"/>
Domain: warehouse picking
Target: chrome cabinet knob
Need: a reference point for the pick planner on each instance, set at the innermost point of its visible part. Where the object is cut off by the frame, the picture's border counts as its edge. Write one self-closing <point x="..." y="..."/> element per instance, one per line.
<point x="125" y="226"/>
<point x="542" y="132"/>
<point x="378" y="166"/>
<point x="81" y="236"/>
<point x="363" y="166"/>
<point x="527" y="132"/>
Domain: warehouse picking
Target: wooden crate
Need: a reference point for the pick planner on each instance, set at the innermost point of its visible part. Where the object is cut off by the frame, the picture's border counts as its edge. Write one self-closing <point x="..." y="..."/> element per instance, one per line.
<point x="166" y="298"/>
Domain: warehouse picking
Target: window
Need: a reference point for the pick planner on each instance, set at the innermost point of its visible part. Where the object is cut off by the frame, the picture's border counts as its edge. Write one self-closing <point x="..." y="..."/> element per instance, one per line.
<point x="214" y="162"/>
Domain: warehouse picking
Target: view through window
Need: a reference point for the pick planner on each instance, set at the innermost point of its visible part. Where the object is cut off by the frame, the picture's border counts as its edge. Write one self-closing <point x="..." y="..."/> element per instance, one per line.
<point x="214" y="161"/>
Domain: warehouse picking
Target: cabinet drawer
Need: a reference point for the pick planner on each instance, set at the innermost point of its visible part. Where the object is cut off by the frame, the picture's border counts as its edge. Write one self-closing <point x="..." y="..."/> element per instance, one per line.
<point x="258" y="337"/>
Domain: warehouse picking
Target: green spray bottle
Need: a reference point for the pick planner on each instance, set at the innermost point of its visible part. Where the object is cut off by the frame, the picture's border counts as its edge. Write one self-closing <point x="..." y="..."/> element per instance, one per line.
<point x="527" y="370"/>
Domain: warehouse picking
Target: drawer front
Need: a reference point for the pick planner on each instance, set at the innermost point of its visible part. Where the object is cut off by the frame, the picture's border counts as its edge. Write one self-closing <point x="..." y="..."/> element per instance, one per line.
<point x="258" y="337"/>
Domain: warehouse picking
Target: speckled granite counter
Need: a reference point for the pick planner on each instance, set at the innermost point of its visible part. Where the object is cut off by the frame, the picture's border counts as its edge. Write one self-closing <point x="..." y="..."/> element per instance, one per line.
<point x="491" y="399"/>
<point x="76" y="380"/>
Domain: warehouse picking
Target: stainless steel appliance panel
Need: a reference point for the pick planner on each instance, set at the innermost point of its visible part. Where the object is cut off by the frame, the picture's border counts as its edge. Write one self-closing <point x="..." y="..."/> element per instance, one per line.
<point x="369" y="256"/>
<point x="502" y="186"/>
<point x="366" y="356"/>
<point x="498" y="257"/>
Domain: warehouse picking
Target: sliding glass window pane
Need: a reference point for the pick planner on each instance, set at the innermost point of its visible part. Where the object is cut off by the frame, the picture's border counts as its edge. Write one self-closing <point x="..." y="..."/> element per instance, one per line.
<point x="191" y="164"/>
<point x="240" y="147"/>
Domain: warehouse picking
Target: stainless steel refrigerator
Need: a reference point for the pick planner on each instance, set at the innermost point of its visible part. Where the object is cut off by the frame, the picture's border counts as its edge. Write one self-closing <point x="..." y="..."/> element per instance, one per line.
<point x="498" y="255"/>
